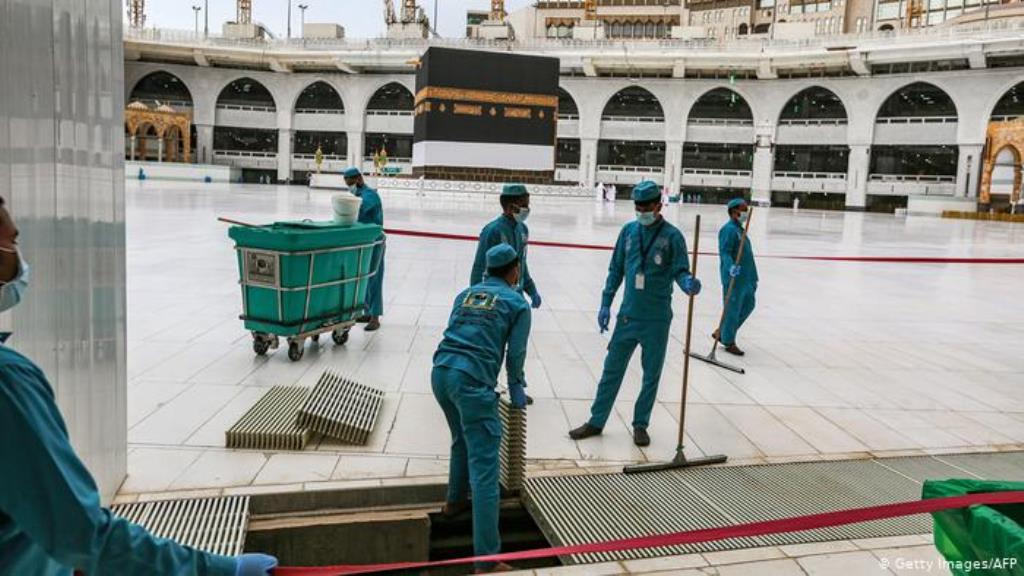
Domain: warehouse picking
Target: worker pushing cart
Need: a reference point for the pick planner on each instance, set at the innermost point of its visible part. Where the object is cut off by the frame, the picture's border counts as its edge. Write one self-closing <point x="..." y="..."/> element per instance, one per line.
<point x="302" y="279"/>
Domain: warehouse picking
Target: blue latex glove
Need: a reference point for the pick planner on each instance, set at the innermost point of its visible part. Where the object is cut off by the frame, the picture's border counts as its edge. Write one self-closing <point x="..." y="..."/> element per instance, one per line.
<point x="735" y="270"/>
<point x="517" y="393"/>
<point x="603" y="317"/>
<point x="535" y="300"/>
<point x="255" y="565"/>
<point x="691" y="285"/>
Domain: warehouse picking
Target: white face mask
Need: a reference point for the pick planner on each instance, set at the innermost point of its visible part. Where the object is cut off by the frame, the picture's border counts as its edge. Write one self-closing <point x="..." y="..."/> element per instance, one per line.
<point x="12" y="292"/>
<point x="522" y="215"/>
<point x="645" y="218"/>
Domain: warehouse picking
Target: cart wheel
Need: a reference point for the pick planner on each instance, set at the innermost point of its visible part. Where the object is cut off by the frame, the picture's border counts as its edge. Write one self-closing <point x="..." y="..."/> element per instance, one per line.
<point x="315" y="338"/>
<point x="260" y="345"/>
<point x="295" y="351"/>
<point x="340" y="337"/>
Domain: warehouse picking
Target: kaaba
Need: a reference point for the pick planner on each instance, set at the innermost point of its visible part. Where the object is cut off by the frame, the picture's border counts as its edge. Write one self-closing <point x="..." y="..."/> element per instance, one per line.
<point x="485" y="116"/>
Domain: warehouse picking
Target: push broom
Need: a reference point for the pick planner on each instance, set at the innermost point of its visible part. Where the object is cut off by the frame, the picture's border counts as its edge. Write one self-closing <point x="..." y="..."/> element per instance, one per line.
<point x="680" y="460"/>
<point x="710" y="358"/>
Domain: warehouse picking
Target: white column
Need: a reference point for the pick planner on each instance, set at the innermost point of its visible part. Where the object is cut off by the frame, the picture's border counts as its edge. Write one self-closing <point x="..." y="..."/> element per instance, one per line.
<point x="160" y="149"/>
<point x="355" y="148"/>
<point x="284" y="155"/>
<point x="588" y="161"/>
<point x="968" y="170"/>
<point x="204" y="144"/>
<point x="673" y="163"/>
<point x="857" y="176"/>
<point x="133" y="144"/>
<point x="764" y="163"/>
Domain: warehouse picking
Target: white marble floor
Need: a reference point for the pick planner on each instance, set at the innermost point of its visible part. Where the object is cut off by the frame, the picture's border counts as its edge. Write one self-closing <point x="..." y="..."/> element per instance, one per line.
<point x="843" y="359"/>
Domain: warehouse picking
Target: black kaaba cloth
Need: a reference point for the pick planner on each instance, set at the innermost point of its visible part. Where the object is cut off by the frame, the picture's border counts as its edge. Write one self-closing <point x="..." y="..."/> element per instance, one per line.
<point x="488" y="116"/>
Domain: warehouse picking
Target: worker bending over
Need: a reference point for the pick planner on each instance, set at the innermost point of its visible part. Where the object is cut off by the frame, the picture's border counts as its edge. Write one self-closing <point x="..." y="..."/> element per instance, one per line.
<point x="490" y="322"/>
<point x="650" y="255"/>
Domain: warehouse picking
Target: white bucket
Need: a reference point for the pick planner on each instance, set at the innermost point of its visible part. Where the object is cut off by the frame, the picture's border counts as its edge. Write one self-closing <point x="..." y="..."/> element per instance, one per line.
<point x="346" y="208"/>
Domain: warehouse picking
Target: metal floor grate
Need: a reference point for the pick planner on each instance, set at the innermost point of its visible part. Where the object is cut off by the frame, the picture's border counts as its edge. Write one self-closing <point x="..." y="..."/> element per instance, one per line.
<point x="341" y="408"/>
<point x="592" y="508"/>
<point x="270" y="423"/>
<point x="214" y="525"/>
<point x="513" y="446"/>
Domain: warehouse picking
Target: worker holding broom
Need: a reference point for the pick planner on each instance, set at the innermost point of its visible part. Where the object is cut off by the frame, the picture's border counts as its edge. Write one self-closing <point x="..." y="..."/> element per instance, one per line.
<point x="743" y="274"/>
<point x="650" y="255"/>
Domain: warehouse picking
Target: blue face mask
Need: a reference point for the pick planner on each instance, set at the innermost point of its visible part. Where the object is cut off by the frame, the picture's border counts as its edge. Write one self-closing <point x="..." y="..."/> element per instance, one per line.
<point x="522" y="215"/>
<point x="12" y="292"/>
<point x="645" y="218"/>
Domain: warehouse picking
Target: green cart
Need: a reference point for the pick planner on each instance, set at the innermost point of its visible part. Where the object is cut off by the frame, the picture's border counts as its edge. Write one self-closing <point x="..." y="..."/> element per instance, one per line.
<point x="302" y="279"/>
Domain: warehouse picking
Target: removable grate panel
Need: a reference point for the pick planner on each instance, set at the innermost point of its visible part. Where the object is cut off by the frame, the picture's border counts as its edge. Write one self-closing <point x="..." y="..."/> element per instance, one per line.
<point x="513" y="446"/>
<point x="593" y="508"/>
<point x="270" y="423"/>
<point x="214" y="525"/>
<point x="341" y="408"/>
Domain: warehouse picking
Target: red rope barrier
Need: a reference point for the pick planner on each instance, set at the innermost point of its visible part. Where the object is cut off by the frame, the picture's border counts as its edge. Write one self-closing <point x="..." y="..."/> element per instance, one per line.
<point x="794" y="524"/>
<point x="862" y="259"/>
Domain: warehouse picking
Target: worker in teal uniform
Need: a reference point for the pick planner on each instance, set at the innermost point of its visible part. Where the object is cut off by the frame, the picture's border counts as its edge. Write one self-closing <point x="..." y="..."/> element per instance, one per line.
<point x="51" y="520"/>
<point x="742" y="300"/>
<point x="509" y="228"/>
<point x="650" y="254"/>
<point x="371" y="211"/>
<point x="489" y="323"/>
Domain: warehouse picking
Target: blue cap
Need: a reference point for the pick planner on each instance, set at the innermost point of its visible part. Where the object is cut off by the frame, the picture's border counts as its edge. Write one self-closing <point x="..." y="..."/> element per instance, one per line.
<point x="736" y="203"/>
<point x="646" y="191"/>
<point x="500" y="255"/>
<point x="352" y="172"/>
<point x="514" y="190"/>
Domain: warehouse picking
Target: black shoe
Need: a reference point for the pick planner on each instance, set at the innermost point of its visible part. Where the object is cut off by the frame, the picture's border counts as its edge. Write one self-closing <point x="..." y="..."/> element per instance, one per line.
<point x="585" y="431"/>
<point x="734" y="350"/>
<point x="372" y="325"/>
<point x="529" y="400"/>
<point x="640" y="437"/>
<point x="362" y="319"/>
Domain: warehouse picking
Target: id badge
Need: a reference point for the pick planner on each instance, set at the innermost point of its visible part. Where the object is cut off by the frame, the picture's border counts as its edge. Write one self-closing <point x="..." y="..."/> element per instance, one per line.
<point x="640" y="281"/>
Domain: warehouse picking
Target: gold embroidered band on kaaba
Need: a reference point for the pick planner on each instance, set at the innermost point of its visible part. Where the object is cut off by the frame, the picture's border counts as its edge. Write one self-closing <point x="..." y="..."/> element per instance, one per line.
<point x="486" y="97"/>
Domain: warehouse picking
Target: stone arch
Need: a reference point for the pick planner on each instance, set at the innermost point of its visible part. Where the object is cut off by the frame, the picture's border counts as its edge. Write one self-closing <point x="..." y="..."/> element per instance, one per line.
<point x="146" y="88"/>
<point x="388" y="89"/>
<point x="317" y="85"/>
<point x="721" y="98"/>
<point x="566" y="103"/>
<point x="246" y="85"/>
<point x="633" y="101"/>
<point x="814" y="102"/>
<point x="917" y="94"/>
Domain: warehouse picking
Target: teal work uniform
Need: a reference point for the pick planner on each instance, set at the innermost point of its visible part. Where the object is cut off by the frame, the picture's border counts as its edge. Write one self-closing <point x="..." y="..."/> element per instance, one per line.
<point x="504" y="229"/>
<point x="51" y="521"/>
<point x="742" y="300"/>
<point x="371" y="211"/>
<point x="486" y="320"/>
<point x="650" y="259"/>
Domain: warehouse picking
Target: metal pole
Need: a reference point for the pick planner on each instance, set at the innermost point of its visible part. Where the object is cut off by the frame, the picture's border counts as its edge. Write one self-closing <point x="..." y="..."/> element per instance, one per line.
<point x="195" y="10"/>
<point x="435" y="15"/>
<point x="206" y="18"/>
<point x="302" y="11"/>
<point x="289" y="19"/>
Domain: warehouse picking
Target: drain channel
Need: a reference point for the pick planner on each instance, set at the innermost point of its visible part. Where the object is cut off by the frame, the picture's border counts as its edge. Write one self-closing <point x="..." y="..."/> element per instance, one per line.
<point x="215" y="525"/>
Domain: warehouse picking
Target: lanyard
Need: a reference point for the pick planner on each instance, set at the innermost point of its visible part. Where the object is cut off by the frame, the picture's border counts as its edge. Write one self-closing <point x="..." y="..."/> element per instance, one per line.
<point x="645" y="251"/>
